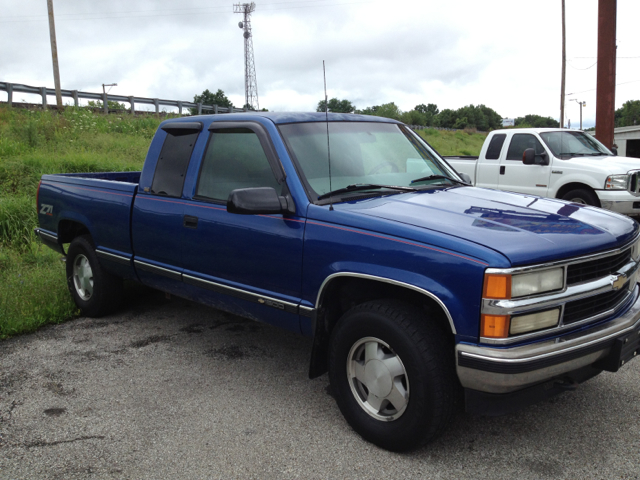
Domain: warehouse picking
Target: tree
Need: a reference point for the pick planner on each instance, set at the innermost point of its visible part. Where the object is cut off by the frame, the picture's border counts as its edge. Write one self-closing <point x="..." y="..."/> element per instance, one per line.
<point x="389" y="110"/>
<point x="369" y="110"/>
<point x="208" y="98"/>
<point x="111" y="104"/>
<point x="432" y="109"/>
<point x="536" y="121"/>
<point x="628" y="114"/>
<point x="337" y="106"/>
<point x="447" y="118"/>
<point x="414" y="117"/>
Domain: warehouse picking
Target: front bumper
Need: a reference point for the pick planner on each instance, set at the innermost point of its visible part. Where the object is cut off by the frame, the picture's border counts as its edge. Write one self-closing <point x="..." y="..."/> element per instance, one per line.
<point x="620" y="201"/>
<point x="505" y="370"/>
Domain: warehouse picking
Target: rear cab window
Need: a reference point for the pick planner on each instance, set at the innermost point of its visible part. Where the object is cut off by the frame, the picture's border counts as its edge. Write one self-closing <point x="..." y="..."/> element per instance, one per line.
<point x="495" y="146"/>
<point x="168" y="178"/>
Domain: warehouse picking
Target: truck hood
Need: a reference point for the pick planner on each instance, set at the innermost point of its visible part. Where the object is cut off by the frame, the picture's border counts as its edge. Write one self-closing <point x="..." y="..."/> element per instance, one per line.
<point x="612" y="165"/>
<point x="525" y="229"/>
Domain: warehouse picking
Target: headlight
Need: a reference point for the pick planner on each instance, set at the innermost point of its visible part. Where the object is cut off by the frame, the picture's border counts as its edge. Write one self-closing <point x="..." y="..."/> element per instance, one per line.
<point x="502" y="326"/>
<point x="635" y="251"/>
<point x="502" y="286"/>
<point x="616" y="182"/>
<point x="534" y="321"/>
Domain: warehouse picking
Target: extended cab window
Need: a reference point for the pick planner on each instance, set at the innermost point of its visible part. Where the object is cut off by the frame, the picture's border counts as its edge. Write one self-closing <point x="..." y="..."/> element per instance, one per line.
<point x="520" y="142"/>
<point x="495" y="147"/>
<point x="234" y="159"/>
<point x="173" y="162"/>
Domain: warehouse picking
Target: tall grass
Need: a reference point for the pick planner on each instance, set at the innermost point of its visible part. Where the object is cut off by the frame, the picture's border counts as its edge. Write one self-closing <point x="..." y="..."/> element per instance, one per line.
<point x="461" y="142"/>
<point x="32" y="143"/>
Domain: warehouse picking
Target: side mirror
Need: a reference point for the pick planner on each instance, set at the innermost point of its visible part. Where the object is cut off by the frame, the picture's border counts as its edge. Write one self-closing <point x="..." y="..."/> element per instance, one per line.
<point x="529" y="157"/>
<point x="465" y="178"/>
<point x="261" y="200"/>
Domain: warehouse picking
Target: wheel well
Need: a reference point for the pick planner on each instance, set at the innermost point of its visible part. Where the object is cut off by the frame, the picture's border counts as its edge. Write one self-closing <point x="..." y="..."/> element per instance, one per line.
<point x="68" y="230"/>
<point x="575" y="186"/>
<point x="344" y="293"/>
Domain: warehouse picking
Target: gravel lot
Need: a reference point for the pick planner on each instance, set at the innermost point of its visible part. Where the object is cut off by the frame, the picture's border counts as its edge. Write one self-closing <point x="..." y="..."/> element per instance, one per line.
<point x="170" y="389"/>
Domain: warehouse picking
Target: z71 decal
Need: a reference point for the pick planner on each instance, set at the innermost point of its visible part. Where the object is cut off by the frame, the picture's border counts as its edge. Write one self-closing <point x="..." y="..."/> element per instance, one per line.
<point x="46" y="209"/>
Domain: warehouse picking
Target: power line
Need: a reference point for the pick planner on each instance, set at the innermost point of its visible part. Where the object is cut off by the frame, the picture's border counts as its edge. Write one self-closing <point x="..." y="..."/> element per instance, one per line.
<point x="194" y="11"/>
<point x="594" y="89"/>
<point x="575" y="68"/>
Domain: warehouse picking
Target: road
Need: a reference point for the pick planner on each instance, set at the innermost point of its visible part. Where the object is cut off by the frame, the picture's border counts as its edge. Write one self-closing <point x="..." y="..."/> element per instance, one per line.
<point x="170" y="389"/>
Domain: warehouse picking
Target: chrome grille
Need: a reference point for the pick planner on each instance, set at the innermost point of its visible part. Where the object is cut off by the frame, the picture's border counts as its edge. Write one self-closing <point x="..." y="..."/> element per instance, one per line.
<point x="601" y="267"/>
<point x="634" y="182"/>
<point x="590" y="307"/>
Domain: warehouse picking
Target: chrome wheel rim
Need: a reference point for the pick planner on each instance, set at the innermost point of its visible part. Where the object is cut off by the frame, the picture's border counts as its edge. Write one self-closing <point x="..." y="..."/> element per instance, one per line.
<point x="83" y="277"/>
<point x="578" y="200"/>
<point x="378" y="379"/>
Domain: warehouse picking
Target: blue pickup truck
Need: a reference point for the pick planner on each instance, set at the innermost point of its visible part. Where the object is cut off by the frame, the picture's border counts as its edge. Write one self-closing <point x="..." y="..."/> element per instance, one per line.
<point x="419" y="290"/>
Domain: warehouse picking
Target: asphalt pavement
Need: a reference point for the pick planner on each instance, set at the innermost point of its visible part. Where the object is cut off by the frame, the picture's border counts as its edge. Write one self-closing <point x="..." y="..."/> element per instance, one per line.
<point x="167" y="388"/>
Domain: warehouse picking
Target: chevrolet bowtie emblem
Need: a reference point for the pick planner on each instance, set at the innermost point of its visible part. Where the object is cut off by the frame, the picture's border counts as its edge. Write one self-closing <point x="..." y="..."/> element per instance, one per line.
<point x="618" y="282"/>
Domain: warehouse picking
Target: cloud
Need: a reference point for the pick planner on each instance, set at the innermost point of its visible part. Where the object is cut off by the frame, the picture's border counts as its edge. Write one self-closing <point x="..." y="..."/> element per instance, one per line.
<point x="505" y="55"/>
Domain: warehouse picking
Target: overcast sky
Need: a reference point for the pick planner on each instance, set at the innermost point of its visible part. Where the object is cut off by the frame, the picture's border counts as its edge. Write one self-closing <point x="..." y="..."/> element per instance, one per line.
<point x="505" y="54"/>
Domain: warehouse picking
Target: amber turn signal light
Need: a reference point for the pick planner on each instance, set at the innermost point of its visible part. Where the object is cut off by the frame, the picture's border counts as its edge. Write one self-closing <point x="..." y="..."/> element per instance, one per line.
<point x="494" y="326"/>
<point x="497" y="286"/>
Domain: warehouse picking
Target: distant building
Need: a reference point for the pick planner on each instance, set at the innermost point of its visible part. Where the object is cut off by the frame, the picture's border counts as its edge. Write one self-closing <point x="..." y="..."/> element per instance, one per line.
<point x="628" y="141"/>
<point x="508" y="122"/>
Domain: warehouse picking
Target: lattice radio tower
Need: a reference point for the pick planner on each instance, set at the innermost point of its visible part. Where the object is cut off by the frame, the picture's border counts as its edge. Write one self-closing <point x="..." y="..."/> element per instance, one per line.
<point x="250" y="81"/>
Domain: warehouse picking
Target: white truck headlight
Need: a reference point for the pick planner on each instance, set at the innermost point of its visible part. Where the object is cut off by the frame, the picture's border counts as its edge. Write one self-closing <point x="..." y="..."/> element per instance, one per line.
<point x="635" y="250"/>
<point x="537" y="282"/>
<point x="616" y="182"/>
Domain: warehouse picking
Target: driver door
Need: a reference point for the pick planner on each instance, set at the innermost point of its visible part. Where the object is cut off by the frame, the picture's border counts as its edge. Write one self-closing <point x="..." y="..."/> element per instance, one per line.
<point x="515" y="176"/>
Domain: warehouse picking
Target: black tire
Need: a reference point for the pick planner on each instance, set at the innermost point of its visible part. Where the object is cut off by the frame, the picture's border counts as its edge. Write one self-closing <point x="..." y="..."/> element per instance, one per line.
<point x="95" y="291"/>
<point x="583" y="196"/>
<point x="429" y="378"/>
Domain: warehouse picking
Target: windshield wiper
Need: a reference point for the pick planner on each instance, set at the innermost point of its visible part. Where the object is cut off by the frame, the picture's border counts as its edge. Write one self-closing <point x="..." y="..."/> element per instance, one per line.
<point x="437" y="177"/>
<point x="363" y="186"/>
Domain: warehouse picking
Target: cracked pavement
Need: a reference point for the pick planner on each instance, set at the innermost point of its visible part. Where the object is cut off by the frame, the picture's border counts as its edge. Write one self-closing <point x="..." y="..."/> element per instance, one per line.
<point x="167" y="388"/>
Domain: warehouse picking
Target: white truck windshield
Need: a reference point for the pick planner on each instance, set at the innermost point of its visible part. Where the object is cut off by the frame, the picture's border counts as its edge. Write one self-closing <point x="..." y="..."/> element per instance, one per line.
<point x="574" y="144"/>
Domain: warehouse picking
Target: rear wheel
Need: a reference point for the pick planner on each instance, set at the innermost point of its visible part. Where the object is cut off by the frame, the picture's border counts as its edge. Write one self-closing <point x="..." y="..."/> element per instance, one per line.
<point x="95" y="291"/>
<point x="583" y="196"/>
<point x="392" y="373"/>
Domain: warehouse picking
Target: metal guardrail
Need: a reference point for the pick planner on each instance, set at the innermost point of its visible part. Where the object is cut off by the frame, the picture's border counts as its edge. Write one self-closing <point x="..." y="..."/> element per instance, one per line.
<point x="12" y="88"/>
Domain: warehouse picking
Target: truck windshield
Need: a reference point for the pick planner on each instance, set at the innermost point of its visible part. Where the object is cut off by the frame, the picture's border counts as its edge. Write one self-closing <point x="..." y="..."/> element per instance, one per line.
<point x="573" y="144"/>
<point x="363" y="153"/>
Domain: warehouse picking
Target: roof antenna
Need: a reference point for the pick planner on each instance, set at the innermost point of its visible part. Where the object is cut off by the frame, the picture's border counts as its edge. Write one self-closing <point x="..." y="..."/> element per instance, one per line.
<point x="326" y="113"/>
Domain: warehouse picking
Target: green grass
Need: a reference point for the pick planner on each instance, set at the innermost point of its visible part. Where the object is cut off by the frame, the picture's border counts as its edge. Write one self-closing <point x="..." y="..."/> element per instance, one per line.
<point x="32" y="143"/>
<point x="461" y="142"/>
<point x="33" y="291"/>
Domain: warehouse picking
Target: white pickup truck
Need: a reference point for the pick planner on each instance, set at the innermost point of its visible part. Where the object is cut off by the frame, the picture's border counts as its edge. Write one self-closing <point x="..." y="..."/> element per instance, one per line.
<point x="555" y="163"/>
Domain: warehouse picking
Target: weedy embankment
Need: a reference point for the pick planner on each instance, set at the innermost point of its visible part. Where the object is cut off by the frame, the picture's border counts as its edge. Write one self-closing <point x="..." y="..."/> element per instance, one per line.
<point x="33" y="142"/>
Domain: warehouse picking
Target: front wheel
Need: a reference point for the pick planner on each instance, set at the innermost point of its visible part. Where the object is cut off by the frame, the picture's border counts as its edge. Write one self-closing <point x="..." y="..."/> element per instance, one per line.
<point x="582" y="196"/>
<point x="391" y="371"/>
<point x="95" y="291"/>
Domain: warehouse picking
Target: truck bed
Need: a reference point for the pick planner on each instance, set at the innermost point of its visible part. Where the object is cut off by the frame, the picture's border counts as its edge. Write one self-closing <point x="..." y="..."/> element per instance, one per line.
<point x="99" y="201"/>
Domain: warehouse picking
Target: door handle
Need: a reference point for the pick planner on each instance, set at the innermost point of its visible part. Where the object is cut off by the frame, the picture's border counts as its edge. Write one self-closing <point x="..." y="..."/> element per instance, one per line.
<point x="190" y="222"/>
<point x="502" y="167"/>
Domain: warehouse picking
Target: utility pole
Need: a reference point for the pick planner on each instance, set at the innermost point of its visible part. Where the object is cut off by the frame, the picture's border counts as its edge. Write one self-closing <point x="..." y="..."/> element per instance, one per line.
<point x="564" y="67"/>
<point x="606" y="86"/>
<point x="250" y="81"/>
<point x="54" y="54"/>
<point x="582" y="104"/>
<point x="105" y="100"/>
